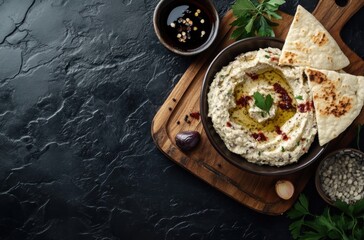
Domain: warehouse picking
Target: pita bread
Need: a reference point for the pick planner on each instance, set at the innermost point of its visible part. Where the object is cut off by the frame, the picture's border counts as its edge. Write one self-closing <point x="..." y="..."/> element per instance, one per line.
<point x="338" y="99"/>
<point x="309" y="44"/>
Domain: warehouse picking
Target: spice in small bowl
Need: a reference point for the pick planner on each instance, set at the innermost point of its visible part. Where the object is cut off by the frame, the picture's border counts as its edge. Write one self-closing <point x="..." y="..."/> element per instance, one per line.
<point x="340" y="176"/>
<point x="186" y="27"/>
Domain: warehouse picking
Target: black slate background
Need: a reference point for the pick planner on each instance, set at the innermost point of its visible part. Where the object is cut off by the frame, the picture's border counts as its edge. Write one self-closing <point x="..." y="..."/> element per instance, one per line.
<point x="80" y="82"/>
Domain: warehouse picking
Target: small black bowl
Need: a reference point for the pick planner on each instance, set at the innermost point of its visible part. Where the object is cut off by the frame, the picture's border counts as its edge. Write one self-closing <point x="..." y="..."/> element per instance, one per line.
<point x="159" y="21"/>
<point x="327" y="161"/>
<point x="222" y="59"/>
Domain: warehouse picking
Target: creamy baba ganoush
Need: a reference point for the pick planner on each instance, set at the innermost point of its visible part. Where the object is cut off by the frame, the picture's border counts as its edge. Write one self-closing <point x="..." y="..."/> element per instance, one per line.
<point x="276" y="136"/>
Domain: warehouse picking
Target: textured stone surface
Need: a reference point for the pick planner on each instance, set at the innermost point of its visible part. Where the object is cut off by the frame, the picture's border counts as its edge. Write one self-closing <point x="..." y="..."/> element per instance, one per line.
<point x="80" y="82"/>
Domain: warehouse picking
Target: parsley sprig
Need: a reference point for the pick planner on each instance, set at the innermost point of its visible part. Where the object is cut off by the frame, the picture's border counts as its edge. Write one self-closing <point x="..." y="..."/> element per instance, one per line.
<point x="263" y="102"/>
<point x="254" y="17"/>
<point x="348" y="224"/>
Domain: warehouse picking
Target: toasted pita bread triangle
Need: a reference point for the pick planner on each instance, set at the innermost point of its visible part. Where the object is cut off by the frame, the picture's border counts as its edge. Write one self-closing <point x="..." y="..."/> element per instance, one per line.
<point x="309" y="44"/>
<point x="338" y="99"/>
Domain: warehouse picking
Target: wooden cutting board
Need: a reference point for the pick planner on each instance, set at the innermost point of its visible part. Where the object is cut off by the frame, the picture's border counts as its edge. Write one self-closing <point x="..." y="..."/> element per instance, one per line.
<point x="254" y="191"/>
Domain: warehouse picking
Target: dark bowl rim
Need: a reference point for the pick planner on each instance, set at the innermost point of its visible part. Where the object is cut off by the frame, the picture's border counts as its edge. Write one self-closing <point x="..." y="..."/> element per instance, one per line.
<point x="264" y="170"/>
<point x="203" y="48"/>
<point x="318" y="185"/>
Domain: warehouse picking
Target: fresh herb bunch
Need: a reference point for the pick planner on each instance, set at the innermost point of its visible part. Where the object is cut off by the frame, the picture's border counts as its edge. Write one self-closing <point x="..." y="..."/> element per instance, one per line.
<point x="348" y="224"/>
<point x="264" y="103"/>
<point x="254" y="17"/>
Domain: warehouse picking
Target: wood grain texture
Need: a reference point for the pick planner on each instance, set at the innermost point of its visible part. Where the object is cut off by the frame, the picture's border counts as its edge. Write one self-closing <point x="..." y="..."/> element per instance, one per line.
<point x="254" y="191"/>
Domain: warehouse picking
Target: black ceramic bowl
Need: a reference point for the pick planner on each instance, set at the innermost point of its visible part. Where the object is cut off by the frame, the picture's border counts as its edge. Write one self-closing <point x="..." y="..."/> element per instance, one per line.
<point x="160" y="16"/>
<point x="222" y="59"/>
<point x="327" y="161"/>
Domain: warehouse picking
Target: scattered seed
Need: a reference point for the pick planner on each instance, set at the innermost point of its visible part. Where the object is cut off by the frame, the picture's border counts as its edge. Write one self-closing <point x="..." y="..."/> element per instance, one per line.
<point x="195" y="115"/>
<point x="202" y="21"/>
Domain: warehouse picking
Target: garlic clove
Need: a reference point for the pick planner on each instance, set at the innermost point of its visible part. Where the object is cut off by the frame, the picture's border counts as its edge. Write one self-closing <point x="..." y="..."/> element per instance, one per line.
<point x="284" y="189"/>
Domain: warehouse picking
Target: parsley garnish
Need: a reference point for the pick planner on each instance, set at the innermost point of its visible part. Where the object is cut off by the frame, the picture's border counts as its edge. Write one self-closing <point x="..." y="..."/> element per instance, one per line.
<point x="264" y="103"/>
<point x="347" y="224"/>
<point x="299" y="97"/>
<point x="254" y="17"/>
<point x="282" y="149"/>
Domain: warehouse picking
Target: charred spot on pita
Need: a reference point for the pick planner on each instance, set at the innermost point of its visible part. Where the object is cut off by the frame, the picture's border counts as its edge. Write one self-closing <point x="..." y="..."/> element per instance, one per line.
<point x="339" y="109"/>
<point x="320" y="39"/>
<point x="290" y="56"/>
<point x="316" y="76"/>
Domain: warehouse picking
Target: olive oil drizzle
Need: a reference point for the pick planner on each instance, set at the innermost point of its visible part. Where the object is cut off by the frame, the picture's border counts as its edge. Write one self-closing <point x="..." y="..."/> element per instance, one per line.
<point x="240" y="115"/>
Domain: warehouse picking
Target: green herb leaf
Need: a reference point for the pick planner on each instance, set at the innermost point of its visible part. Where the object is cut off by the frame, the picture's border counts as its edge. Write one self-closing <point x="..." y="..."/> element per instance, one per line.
<point x="276" y="2"/>
<point x="242" y="7"/>
<point x="264" y="103"/>
<point x="265" y="29"/>
<point x="272" y="24"/>
<point x="347" y="224"/>
<point x="298" y="97"/>
<point x="249" y="26"/>
<point x="295" y="228"/>
<point x="240" y="33"/>
<point x="275" y="15"/>
<point x="238" y="22"/>
<point x="358" y="208"/>
<point x="254" y="17"/>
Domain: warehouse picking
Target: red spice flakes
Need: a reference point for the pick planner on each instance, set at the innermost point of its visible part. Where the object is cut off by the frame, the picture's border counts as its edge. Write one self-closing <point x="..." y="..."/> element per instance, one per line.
<point x="286" y="100"/>
<point x="243" y="101"/>
<point x="252" y="75"/>
<point x="278" y="130"/>
<point x="228" y="124"/>
<point x="195" y="115"/>
<point x="259" y="136"/>
<point x="305" y="107"/>
<point x="284" y="135"/>
<point x="274" y="59"/>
